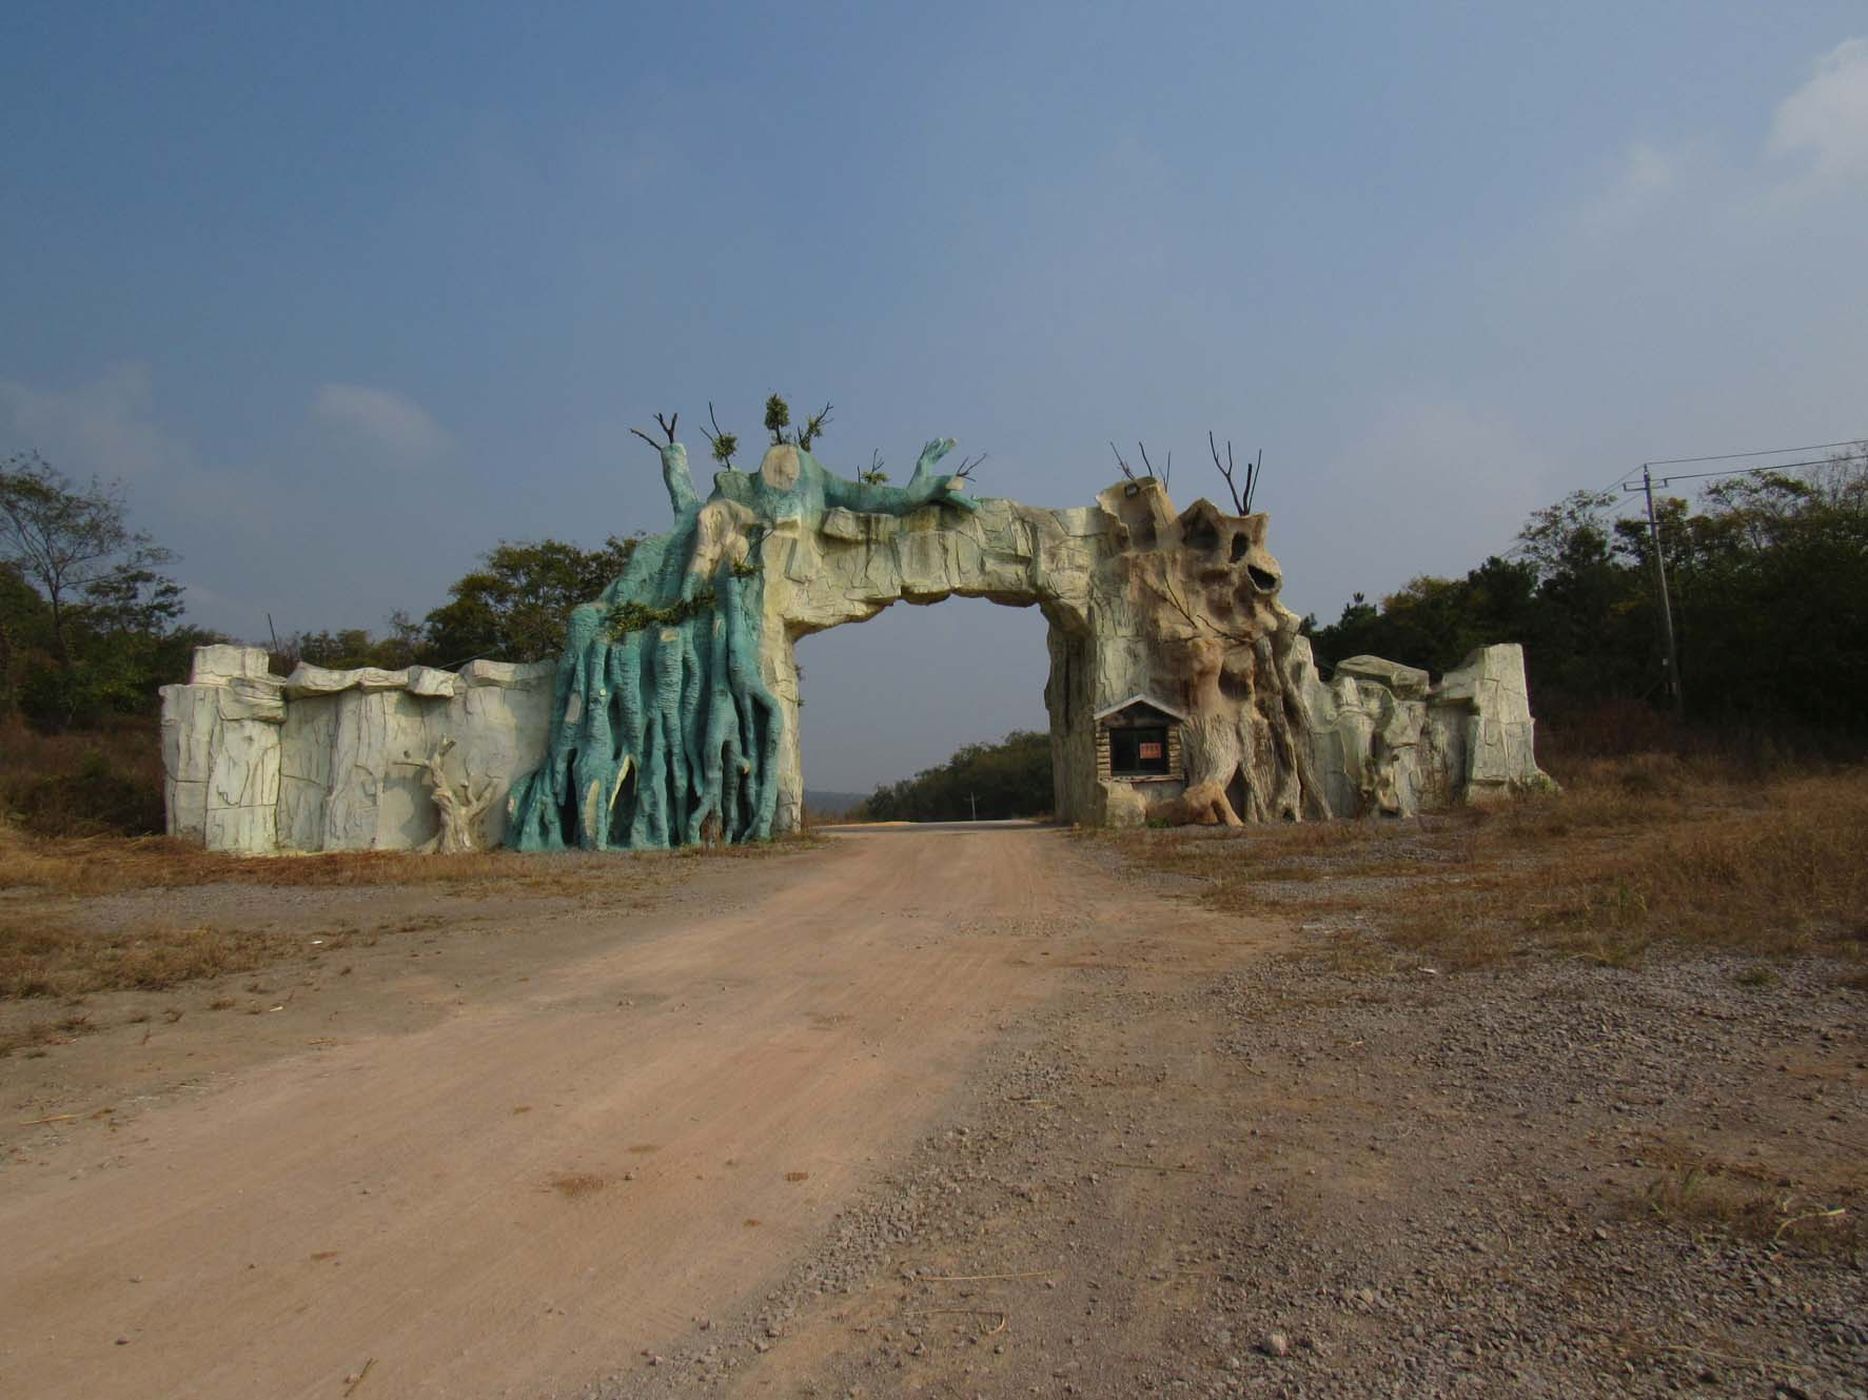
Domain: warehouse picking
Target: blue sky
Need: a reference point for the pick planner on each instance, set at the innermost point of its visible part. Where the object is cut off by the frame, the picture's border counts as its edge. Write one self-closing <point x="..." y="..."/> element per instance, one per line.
<point x="345" y="293"/>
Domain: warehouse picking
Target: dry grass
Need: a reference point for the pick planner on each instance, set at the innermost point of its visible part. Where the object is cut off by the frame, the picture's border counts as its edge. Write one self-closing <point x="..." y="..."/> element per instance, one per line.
<point x="108" y="865"/>
<point x="1726" y="1198"/>
<point x="1634" y="852"/>
<point x="38" y="959"/>
<point x="100" y="781"/>
<point x="43" y="955"/>
<point x="35" y="1035"/>
<point x="574" y="1186"/>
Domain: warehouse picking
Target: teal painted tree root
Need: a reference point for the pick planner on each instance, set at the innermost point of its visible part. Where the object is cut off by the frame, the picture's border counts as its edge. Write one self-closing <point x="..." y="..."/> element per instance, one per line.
<point x="663" y="732"/>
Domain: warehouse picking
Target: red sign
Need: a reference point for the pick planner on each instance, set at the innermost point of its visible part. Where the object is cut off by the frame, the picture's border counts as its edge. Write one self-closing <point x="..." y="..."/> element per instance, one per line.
<point x="1148" y="750"/>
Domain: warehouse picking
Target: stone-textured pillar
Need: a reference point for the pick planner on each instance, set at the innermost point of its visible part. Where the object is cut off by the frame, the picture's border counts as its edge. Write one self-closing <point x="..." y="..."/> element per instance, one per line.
<point x="220" y="748"/>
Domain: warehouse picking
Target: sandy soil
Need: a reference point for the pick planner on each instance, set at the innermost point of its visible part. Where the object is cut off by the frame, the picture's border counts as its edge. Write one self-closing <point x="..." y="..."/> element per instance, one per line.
<point x="532" y="1157"/>
<point x="929" y="1113"/>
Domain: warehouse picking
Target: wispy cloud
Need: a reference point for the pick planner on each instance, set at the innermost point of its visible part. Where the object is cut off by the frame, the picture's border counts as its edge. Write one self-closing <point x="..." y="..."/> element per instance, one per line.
<point x="216" y="518"/>
<point x="1818" y="143"/>
<point x="389" y="420"/>
<point x="1826" y="120"/>
<point x="1646" y="177"/>
<point x="104" y="427"/>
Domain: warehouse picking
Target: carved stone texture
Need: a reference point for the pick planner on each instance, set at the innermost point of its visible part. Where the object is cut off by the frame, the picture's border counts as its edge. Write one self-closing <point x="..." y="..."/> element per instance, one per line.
<point x="335" y="760"/>
<point x="672" y="716"/>
<point x="220" y="750"/>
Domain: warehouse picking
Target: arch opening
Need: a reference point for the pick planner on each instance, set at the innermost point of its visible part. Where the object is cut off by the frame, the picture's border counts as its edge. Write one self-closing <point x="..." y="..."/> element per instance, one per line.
<point x="916" y="682"/>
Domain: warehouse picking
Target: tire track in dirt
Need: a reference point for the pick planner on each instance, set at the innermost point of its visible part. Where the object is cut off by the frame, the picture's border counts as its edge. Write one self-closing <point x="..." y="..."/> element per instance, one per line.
<point x="546" y="1184"/>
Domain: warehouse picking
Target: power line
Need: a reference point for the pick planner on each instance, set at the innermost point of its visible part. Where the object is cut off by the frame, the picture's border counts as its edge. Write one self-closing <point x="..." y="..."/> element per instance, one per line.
<point x="1671" y="657"/>
<point x="1737" y="471"/>
<point x="1517" y="546"/>
<point x="1762" y="452"/>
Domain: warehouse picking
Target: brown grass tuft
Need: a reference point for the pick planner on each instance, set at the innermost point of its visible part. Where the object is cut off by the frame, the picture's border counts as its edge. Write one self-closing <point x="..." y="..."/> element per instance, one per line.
<point x="1717" y="1196"/>
<point x="49" y="960"/>
<point x="106" y="865"/>
<point x="574" y="1186"/>
<point x="35" y="1034"/>
<point x="1637" y="851"/>
<point x="105" y="781"/>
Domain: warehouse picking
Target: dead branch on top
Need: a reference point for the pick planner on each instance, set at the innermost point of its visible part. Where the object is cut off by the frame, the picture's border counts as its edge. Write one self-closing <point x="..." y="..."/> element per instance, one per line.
<point x="814" y="428"/>
<point x="667" y="425"/>
<point x="1241" y="500"/>
<point x="724" y="444"/>
<point x="1167" y="469"/>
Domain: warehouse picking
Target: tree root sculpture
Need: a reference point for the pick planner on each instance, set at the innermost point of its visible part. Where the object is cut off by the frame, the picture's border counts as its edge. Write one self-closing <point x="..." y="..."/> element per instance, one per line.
<point x="664" y="732"/>
<point x="457" y="808"/>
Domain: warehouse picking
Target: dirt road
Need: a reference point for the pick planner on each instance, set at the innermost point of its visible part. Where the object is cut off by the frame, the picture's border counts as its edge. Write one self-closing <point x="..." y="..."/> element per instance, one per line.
<point x="954" y="1114"/>
<point x="569" y="1169"/>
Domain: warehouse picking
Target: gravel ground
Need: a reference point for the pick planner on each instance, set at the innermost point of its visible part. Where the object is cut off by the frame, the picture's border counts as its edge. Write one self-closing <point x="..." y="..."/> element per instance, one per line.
<point x="1333" y="1171"/>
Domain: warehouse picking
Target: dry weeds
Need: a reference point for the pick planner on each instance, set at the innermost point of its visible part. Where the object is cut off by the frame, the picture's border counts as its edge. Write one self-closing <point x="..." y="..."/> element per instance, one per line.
<point x="109" y="865"/>
<point x="39" y="959"/>
<point x="35" y="1035"/>
<point x="1729" y="1199"/>
<point x="1634" y="852"/>
<point x="43" y="955"/>
<point x="575" y="1186"/>
<point x="106" y="780"/>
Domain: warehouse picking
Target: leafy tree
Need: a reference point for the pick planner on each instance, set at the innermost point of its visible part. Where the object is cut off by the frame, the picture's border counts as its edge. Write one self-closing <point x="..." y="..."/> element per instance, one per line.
<point x="88" y="623"/>
<point x="1009" y="779"/>
<point x="74" y="546"/>
<point x="515" y="607"/>
<point x="1769" y="581"/>
<point x="353" y="647"/>
<point x="777" y="418"/>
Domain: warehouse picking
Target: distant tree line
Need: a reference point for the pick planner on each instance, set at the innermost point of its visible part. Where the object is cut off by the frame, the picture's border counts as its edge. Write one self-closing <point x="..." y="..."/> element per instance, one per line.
<point x="91" y="624"/>
<point x="514" y="607"/>
<point x="1011" y="778"/>
<point x="1769" y="579"/>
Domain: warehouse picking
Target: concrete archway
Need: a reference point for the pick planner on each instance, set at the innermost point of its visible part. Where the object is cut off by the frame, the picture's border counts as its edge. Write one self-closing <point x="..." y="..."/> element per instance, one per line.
<point x="672" y="716"/>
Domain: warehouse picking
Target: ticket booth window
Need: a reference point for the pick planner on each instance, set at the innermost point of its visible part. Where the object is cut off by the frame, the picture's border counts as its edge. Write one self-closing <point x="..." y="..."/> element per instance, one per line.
<point x="1138" y="752"/>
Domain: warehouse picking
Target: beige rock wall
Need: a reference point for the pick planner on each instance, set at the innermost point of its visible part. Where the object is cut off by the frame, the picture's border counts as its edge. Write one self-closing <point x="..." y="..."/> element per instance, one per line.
<point x="1181" y="607"/>
<point x="331" y="760"/>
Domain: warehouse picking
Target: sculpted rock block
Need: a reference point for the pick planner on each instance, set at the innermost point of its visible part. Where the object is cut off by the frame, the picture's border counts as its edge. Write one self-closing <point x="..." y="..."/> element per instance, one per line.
<point x="339" y="760"/>
<point x="672" y="715"/>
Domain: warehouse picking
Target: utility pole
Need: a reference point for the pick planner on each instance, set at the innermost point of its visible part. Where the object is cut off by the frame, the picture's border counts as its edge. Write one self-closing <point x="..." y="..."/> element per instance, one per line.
<point x="973" y="797"/>
<point x="1666" y="603"/>
<point x="1653" y="523"/>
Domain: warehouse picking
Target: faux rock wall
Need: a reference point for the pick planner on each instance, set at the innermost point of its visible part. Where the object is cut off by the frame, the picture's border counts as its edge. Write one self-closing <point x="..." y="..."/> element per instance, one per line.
<point x="1389" y="742"/>
<point x="326" y="760"/>
<point x="1178" y="607"/>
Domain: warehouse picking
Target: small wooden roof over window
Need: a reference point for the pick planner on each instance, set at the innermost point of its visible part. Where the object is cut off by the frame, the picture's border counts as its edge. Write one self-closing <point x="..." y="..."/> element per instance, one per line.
<point x="1144" y="709"/>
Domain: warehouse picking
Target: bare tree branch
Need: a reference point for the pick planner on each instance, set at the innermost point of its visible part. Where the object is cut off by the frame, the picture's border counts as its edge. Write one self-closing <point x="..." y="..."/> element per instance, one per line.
<point x="1239" y="503"/>
<point x="814" y="428"/>
<point x="667" y="425"/>
<point x="724" y="444"/>
<point x="1166" y="471"/>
